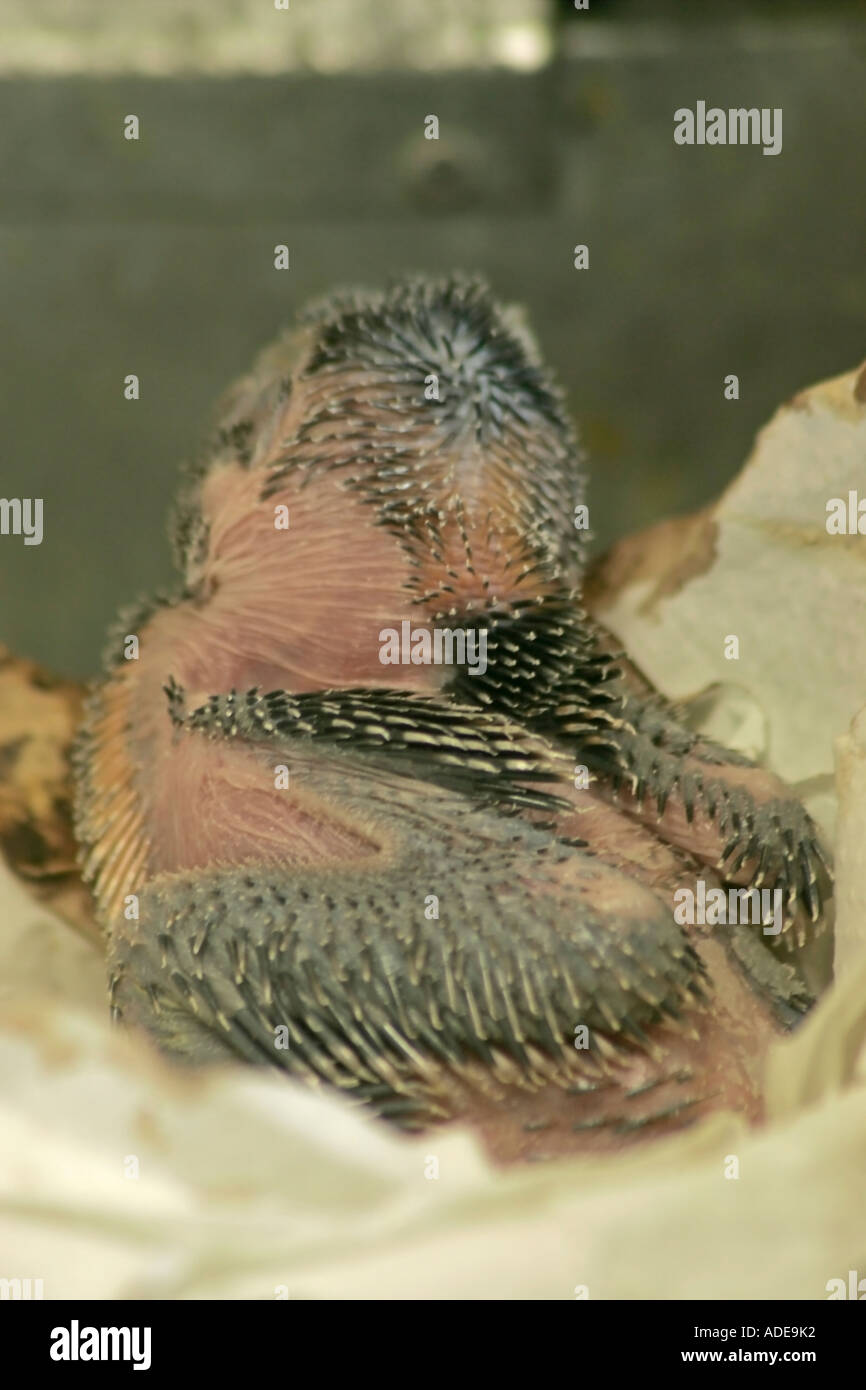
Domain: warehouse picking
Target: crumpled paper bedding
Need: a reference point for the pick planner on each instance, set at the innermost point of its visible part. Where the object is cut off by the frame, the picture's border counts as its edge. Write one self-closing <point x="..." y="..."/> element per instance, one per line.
<point x="124" y="1177"/>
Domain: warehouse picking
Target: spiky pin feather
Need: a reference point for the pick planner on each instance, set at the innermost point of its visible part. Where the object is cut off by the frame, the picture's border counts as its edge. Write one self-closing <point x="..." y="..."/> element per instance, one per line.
<point x="287" y="921"/>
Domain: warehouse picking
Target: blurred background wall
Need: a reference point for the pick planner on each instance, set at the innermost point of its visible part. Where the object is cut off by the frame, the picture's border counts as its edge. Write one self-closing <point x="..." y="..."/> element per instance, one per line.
<point x="261" y="126"/>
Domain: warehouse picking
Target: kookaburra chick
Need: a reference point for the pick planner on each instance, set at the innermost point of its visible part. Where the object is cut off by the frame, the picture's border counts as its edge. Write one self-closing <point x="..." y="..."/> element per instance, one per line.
<point x="445" y="889"/>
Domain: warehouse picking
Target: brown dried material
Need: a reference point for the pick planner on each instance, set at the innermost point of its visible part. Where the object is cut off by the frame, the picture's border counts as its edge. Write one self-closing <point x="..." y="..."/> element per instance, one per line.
<point x="39" y="713"/>
<point x="665" y="556"/>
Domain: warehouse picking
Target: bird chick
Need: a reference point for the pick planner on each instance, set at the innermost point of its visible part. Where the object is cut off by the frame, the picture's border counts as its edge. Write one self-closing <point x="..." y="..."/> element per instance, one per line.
<point x="385" y="876"/>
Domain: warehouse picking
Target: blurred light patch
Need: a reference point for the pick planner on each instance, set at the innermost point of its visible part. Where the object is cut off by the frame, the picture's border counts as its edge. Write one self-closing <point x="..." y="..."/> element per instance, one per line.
<point x="524" y="46"/>
<point x="253" y="36"/>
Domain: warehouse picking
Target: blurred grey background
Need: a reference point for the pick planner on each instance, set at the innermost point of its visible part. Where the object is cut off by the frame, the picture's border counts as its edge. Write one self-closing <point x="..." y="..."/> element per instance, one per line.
<point x="305" y="127"/>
